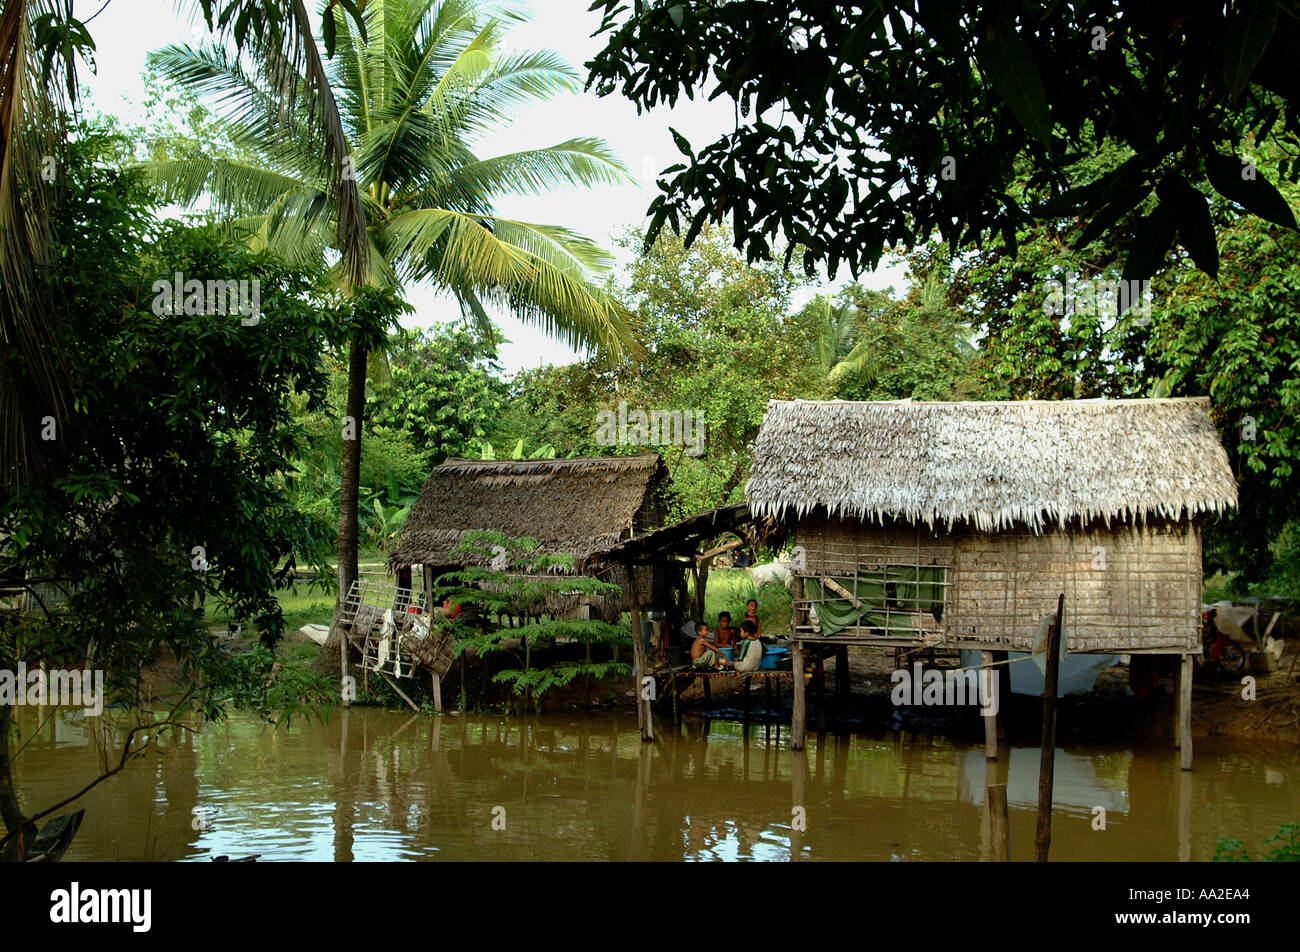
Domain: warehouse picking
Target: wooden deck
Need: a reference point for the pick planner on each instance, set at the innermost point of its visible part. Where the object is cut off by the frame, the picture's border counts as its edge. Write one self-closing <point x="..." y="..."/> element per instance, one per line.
<point x="680" y="675"/>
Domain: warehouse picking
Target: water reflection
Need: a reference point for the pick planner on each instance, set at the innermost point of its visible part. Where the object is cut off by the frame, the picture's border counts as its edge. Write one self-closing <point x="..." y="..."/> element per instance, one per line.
<point x="375" y="785"/>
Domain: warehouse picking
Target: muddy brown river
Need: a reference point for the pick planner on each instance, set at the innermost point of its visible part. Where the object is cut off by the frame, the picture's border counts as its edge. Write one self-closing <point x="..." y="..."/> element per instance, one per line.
<point x="379" y="785"/>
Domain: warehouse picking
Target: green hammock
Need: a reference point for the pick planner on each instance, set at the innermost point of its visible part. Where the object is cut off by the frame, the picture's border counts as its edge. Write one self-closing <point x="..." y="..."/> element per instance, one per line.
<point x="909" y="589"/>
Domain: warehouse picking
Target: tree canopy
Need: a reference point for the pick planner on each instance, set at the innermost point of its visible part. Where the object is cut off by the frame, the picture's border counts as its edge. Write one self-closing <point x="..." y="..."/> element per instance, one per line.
<point x="867" y="126"/>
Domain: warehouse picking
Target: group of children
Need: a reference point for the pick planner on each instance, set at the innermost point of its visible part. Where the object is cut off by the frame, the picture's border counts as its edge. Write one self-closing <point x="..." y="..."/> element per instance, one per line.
<point x="748" y="654"/>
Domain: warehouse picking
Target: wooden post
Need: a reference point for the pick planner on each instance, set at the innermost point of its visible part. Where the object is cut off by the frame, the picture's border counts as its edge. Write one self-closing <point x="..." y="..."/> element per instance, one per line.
<point x="677" y="700"/>
<point x="1047" y="761"/>
<point x="1185" y="711"/>
<point x="799" y="802"/>
<point x="1184" y="783"/>
<point x="821" y="690"/>
<point x="986" y="676"/>
<point x="797" y="614"/>
<point x="842" y="682"/>
<point x="747" y="680"/>
<point x="708" y="697"/>
<point x="999" y="827"/>
<point x="799" y="727"/>
<point x="640" y="670"/>
<point x="437" y="692"/>
<point x="1004" y="693"/>
<point x="1178" y="702"/>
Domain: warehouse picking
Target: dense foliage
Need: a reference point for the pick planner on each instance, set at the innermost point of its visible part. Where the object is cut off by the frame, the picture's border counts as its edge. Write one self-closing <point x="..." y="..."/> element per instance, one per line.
<point x="175" y="479"/>
<point x="866" y="126"/>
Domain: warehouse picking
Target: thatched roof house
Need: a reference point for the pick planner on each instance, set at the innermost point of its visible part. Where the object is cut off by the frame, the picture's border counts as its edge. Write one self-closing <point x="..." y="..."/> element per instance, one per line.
<point x="981" y="513"/>
<point x="992" y="466"/>
<point x="961" y="524"/>
<point x="576" y="507"/>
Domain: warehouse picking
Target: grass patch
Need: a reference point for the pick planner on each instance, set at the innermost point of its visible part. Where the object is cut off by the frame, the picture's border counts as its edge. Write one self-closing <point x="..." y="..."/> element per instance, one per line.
<point x="728" y="590"/>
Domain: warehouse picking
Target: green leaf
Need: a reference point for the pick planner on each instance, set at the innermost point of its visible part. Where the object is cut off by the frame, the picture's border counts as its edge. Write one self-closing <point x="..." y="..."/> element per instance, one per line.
<point x="1256" y="194"/>
<point x="1244" y="41"/>
<point x="1192" y="219"/>
<point x="1009" y="65"/>
<point x="682" y="144"/>
<point x="1147" y="253"/>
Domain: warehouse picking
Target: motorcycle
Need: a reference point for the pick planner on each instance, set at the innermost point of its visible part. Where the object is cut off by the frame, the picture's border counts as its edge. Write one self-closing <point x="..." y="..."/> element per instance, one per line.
<point x="1219" y="646"/>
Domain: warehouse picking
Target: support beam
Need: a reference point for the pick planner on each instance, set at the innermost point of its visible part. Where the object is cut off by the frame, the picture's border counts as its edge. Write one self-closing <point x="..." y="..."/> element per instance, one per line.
<point x="400" y="693"/>
<point x="821" y="690"/>
<point x="640" y="670"/>
<point x="799" y="728"/>
<point x="437" y="692"/>
<point x="1047" y="759"/>
<point x="1185" y="710"/>
<point x="988" y="675"/>
<point x="843" y="684"/>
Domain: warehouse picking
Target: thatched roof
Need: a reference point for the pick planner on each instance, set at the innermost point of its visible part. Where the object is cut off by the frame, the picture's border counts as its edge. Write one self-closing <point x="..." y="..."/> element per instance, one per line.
<point x="991" y="465"/>
<point x="571" y="506"/>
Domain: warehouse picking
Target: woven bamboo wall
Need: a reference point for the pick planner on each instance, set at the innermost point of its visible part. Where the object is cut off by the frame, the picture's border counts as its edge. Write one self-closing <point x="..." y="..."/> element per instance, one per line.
<point x="1127" y="588"/>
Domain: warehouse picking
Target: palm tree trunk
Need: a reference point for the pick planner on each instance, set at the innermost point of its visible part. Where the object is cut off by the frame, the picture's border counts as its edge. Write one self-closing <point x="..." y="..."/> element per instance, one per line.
<point x="350" y="479"/>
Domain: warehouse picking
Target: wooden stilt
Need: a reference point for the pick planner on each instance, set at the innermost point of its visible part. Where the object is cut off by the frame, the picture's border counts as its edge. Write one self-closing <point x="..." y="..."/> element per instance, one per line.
<point x="1004" y="693"/>
<point x="986" y="676"/>
<point x="999" y="827"/>
<point x="767" y="697"/>
<point x="842" y="682"/>
<point x="747" y="680"/>
<point x="677" y="698"/>
<point x="1185" y="711"/>
<point x="821" y="691"/>
<point x="437" y="692"/>
<point x="1047" y="760"/>
<point x="799" y="802"/>
<point x="1178" y="703"/>
<point x="708" y="696"/>
<point x="799" y="727"/>
<point x="644" y="717"/>
<point x="1184" y="817"/>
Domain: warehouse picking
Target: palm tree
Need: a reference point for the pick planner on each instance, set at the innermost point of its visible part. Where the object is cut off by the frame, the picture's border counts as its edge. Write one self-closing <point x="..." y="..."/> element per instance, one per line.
<point x="39" y="43"/>
<point x="416" y="90"/>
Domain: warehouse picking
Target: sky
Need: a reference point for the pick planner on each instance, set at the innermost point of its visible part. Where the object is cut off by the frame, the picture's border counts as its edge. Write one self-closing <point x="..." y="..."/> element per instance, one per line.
<point x="126" y="30"/>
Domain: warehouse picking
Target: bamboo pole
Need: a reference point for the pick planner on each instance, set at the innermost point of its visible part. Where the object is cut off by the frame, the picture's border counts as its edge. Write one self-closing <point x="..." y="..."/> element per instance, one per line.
<point x="1047" y="762"/>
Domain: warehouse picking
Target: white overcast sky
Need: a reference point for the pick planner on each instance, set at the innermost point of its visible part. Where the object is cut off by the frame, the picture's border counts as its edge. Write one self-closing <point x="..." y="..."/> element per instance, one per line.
<point x="127" y="30"/>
